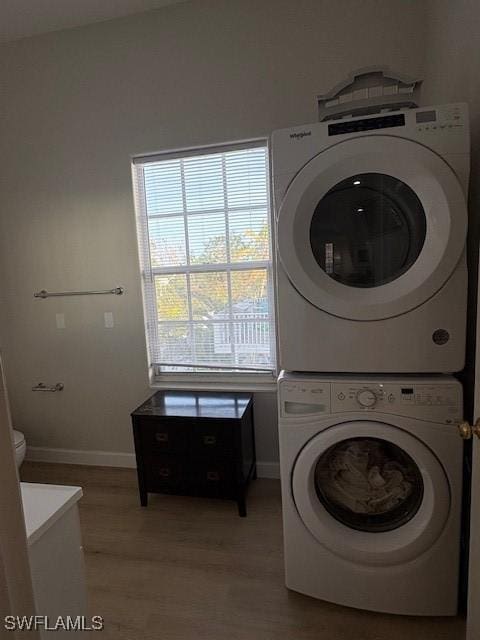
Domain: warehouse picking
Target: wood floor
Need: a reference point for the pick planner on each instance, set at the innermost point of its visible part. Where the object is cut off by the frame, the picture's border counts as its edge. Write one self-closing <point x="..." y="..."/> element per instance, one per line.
<point x="191" y="569"/>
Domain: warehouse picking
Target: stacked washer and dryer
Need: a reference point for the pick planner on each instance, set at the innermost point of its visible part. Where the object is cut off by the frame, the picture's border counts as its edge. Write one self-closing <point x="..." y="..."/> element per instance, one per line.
<point x="371" y="224"/>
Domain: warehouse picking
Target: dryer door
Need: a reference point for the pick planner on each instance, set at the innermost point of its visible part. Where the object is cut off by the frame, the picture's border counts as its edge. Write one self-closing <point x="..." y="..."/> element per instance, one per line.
<point x="371" y="493"/>
<point x="372" y="227"/>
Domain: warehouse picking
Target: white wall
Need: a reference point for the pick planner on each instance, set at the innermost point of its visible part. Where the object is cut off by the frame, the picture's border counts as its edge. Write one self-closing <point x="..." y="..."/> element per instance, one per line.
<point x="75" y="105"/>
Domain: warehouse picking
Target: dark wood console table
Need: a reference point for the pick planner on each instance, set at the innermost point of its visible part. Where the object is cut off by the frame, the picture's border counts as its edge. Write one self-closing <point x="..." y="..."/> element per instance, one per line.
<point x="197" y="443"/>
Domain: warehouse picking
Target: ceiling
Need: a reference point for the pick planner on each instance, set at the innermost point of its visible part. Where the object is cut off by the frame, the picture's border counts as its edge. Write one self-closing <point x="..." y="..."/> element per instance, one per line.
<point x="23" y="18"/>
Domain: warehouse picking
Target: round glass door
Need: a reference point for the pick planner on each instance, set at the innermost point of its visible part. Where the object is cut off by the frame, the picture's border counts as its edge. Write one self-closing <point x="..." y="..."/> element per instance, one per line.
<point x="368" y="230"/>
<point x="371" y="492"/>
<point x="369" y="484"/>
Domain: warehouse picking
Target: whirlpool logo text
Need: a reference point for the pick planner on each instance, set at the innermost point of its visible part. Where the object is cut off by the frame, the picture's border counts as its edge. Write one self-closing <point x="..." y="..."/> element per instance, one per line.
<point x="300" y="135"/>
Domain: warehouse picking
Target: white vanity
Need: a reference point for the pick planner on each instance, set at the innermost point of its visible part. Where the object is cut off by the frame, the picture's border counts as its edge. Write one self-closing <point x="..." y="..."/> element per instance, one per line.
<point x="55" y="550"/>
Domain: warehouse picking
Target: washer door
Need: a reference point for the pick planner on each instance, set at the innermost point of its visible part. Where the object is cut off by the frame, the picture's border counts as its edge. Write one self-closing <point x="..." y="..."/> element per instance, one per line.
<point x="371" y="492"/>
<point x="372" y="227"/>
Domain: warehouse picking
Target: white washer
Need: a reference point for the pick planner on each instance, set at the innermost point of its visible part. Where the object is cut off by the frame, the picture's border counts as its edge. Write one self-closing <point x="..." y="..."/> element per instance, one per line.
<point x="371" y="473"/>
<point x="371" y="223"/>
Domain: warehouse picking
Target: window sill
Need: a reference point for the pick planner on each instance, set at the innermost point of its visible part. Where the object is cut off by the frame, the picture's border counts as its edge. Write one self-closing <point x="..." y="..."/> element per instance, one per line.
<point x="201" y="384"/>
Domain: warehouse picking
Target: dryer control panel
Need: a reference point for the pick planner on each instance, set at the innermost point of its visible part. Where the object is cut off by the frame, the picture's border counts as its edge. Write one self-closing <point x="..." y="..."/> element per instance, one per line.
<point x="433" y="400"/>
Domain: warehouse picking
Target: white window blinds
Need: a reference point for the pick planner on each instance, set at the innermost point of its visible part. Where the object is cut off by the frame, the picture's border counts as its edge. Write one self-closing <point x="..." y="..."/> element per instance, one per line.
<point x="203" y="223"/>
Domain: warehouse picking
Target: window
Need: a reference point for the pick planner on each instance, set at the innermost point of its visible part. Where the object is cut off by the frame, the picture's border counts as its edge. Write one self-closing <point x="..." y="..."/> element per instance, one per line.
<point x="203" y="220"/>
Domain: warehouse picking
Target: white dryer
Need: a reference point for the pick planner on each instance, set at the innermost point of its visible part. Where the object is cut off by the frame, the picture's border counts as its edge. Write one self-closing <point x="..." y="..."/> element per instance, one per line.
<point x="371" y="222"/>
<point x="371" y="473"/>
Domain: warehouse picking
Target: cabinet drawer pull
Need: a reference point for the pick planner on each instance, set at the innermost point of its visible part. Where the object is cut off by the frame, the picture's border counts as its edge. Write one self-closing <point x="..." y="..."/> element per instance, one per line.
<point x="213" y="475"/>
<point x="209" y="440"/>
<point x="161" y="437"/>
<point x="164" y="472"/>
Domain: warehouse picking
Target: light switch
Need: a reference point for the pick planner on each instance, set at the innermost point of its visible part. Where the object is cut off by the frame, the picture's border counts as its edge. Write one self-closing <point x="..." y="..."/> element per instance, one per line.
<point x="108" y="315"/>
<point x="60" y="320"/>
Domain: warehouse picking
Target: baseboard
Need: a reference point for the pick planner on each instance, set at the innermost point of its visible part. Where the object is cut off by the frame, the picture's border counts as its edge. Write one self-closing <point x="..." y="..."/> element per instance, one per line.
<point x="74" y="456"/>
<point x="115" y="459"/>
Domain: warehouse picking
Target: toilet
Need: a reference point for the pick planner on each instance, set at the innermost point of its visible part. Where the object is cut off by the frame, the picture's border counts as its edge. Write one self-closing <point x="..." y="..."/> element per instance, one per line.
<point x="20" y="447"/>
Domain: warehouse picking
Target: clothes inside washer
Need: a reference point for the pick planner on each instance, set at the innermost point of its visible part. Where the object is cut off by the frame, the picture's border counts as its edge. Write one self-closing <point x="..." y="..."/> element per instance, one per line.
<point x="365" y="476"/>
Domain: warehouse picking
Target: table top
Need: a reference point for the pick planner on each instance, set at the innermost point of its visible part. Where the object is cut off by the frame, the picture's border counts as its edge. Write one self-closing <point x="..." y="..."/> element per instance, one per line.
<point x="196" y="404"/>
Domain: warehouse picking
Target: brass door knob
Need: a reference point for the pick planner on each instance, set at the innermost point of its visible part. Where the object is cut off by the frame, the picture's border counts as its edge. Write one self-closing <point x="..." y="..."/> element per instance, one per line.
<point x="467" y="431"/>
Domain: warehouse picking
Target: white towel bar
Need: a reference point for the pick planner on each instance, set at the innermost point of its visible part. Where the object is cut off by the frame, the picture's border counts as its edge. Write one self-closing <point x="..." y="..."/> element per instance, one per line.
<point x="118" y="291"/>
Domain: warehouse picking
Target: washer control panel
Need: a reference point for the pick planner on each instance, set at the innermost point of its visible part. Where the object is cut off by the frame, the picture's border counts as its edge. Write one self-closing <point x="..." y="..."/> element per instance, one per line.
<point x="427" y="401"/>
<point x="433" y="401"/>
